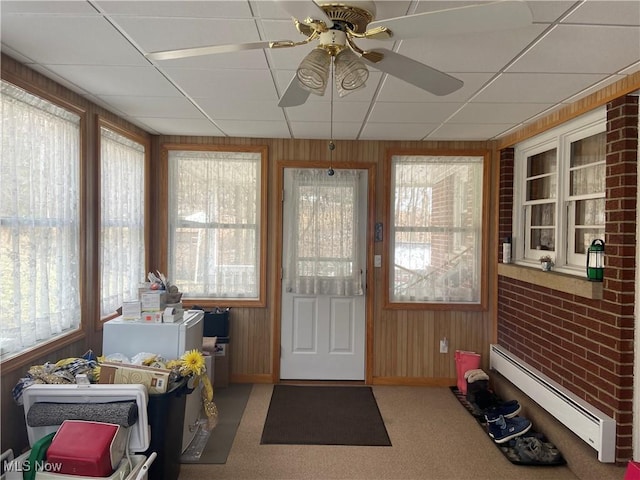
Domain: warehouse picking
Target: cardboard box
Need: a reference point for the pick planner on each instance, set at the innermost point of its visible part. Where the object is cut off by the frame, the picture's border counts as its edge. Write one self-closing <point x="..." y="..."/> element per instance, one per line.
<point x="131" y="310"/>
<point x="155" y="379"/>
<point x="221" y="364"/>
<point x="153" y="300"/>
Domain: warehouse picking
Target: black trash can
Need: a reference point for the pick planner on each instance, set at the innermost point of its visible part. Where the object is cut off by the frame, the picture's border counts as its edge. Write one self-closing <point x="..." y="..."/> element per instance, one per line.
<point x="216" y="324"/>
<point x="166" y="419"/>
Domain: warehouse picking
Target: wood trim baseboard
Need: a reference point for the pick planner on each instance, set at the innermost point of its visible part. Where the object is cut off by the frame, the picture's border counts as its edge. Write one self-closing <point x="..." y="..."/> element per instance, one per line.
<point x="414" y="381"/>
<point x="253" y="378"/>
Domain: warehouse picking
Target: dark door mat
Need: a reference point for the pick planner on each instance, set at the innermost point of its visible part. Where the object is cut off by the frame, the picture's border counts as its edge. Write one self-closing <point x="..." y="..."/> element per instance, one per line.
<point x="324" y="415"/>
<point x="515" y="450"/>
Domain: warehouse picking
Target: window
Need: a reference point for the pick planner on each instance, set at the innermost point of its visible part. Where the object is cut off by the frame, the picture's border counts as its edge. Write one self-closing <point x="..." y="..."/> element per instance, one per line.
<point x="39" y="221"/>
<point x="122" y="247"/>
<point x="560" y="193"/>
<point x="436" y="218"/>
<point x="217" y="210"/>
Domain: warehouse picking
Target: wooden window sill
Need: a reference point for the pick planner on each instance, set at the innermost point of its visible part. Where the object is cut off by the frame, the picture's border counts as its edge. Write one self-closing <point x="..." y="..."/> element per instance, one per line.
<point x="555" y="280"/>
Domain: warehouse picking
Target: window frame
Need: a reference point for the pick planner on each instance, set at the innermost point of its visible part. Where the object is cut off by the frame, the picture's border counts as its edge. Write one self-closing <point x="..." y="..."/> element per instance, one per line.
<point x="31" y="355"/>
<point x="208" y="302"/>
<point x="482" y="304"/>
<point x="102" y="122"/>
<point x="560" y="138"/>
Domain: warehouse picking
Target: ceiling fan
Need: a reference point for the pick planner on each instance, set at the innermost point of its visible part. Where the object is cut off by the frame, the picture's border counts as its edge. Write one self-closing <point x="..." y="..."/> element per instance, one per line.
<point x="337" y="27"/>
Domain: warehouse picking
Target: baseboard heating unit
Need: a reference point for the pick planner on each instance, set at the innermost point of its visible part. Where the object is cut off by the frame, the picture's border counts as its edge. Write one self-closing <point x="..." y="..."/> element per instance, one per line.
<point x="586" y="421"/>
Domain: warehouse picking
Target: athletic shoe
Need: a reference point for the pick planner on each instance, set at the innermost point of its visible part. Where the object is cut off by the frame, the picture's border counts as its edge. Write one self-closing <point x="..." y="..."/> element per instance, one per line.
<point x="504" y="429"/>
<point x="507" y="409"/>
<point x="534" y="450"/>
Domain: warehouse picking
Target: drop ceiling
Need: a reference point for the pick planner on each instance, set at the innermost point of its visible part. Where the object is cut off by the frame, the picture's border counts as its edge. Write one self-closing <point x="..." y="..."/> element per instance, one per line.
<point x="97" y="48"/>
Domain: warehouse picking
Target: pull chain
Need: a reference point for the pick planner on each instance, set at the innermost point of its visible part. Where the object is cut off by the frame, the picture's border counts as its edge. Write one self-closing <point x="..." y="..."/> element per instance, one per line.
<point x="332" y="146"/>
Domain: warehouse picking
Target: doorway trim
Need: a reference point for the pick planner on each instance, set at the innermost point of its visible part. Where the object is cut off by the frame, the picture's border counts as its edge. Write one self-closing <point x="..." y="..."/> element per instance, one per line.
<point x="370" y="168"/>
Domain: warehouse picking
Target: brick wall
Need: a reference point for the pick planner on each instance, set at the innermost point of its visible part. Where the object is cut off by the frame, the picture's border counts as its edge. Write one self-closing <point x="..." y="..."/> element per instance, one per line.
<point x="506" y="197"/>
<point x="585" y="345"/>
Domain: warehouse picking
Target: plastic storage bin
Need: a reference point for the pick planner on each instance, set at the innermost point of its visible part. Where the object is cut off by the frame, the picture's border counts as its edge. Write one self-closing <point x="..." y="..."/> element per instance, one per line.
<point x="165" y="412"/>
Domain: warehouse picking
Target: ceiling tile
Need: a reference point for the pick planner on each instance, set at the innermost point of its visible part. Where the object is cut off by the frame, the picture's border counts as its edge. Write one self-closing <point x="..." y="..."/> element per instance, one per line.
<point x="150" y="33"/>
<point x="596" y="86"/>
<point x="181" y="126"/>
<point x="602" y="12"/>
<point x="235" y="108"/>
<point x="395" y="131"/>
<point x="68" y="40"/>
<point x="343" y="111"/>
<point x="468" y="132"/>
<point x="114" y="80"/>
<point x="395" y="112"/>
<point x="482" y="52"/>
<point x="254" y="128"/>
<point x="165" y="8"/>
<point x="247" y="85"/>
<point x="573" y="50"/>
<point x="47" y="6"/>
<point x="396" y="90"/>
<point x="322" y="130"/>
<point x="535" y="87"/>
<point x="139" y="106"/>
<point x="498" y="112"/>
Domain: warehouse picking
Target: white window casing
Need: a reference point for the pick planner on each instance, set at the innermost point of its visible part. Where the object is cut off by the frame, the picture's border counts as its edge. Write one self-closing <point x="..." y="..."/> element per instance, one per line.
<point x="558" y="231"/>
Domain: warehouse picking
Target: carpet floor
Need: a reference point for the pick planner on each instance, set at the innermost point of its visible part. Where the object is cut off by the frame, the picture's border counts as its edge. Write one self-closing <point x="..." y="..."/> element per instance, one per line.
<point x="433" y="437"/>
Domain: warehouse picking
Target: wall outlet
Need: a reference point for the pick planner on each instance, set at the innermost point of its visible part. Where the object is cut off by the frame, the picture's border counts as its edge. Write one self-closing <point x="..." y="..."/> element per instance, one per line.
<point x="444" y="345"/>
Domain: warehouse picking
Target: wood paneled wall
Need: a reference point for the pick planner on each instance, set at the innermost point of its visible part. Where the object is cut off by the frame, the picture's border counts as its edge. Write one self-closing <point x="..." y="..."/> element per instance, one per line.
<point x="405" y="344"/>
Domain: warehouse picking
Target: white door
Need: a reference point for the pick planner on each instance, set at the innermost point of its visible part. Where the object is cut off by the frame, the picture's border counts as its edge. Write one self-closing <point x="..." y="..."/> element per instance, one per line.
<point x="323" y="289"/>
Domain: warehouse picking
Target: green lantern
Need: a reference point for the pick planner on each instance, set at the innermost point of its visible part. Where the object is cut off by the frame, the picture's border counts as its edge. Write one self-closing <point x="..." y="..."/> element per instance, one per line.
<point x="595" y="261"/>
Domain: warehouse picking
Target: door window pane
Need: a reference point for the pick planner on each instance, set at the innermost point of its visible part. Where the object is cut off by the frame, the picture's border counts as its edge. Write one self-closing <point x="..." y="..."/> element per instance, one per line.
<point x="324" y="252"/>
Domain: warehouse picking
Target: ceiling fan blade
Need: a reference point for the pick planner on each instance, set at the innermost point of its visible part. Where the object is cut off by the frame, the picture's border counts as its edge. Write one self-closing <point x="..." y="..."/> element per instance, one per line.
<point x="209" y="50"/>
<point x="415" y="73"/>
<point x="305" y="11"/>
<point x="294" y="95"/>
<point x="501" y="15"/>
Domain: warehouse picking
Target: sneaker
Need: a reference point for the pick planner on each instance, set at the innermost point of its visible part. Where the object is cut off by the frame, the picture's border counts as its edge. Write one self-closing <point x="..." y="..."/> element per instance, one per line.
<point x="507" y="409"/>
<point x="504" y="429"/>
<point x="533" y="450"/>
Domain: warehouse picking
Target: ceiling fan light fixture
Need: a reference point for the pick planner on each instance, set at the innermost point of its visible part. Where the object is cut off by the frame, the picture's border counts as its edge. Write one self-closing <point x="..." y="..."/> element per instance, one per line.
<point x="313" y="71"/>
<point x="351" y="73"/>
